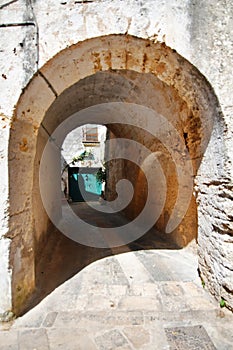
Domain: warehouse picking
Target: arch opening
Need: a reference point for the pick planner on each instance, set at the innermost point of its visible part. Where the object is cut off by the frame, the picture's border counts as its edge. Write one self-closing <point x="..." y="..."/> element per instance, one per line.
<point x="121" y="89"/>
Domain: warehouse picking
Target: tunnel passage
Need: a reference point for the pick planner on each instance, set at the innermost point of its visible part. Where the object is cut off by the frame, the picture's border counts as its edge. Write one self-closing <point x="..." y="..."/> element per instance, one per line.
<point x="117" y="70"/>
<point x="166" y="102"/>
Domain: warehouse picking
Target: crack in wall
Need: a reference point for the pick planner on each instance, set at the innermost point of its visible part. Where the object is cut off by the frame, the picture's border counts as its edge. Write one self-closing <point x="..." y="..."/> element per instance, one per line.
<point x="37" y="33"/>
<point x="83" y="1"/>
<point x="23" y="24"/>
<point x="30" y="43"/>
<point x="128" y="25"/>
<point x="8" y="3"/>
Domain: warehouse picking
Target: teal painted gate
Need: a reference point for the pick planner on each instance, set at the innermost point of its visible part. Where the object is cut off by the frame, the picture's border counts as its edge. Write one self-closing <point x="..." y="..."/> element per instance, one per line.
<point x="83" y="180"/>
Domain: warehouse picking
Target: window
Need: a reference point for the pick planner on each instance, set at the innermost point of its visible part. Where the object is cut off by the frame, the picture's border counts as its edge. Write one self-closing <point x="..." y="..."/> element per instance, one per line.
<point x="90" y="134"/>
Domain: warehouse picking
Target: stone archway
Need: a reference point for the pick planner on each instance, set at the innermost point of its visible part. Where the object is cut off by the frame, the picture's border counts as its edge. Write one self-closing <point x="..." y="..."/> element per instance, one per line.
<point x="107" y="69"/>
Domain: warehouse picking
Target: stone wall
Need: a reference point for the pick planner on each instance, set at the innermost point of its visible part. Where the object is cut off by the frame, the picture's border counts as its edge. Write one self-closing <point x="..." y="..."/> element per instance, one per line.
<point x="212" y="53"/>
<point x="32" y="32"/>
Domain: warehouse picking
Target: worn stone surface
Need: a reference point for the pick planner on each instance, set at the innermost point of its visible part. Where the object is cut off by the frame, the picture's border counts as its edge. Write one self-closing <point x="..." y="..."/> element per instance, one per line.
<point x="33" y="32"/>
<point x="36" y="338"/>
<point x="195" y="325"/>
<point x="189" y="337"/>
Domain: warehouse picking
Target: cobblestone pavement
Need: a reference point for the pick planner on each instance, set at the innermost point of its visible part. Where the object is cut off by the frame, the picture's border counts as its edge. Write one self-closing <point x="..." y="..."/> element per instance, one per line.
<point x="127" y="301"/>
<point x="143" y="299"/>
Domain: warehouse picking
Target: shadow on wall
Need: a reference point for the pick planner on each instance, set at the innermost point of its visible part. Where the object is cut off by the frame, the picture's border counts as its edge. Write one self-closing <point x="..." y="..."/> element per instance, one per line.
<point x="119" y="169"/>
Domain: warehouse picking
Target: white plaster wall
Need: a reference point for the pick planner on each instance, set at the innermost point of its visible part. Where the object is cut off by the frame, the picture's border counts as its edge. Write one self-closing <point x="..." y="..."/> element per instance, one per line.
<point x="59" y="24"/>
<point x="150" y="18"/>
<point x="5" y="276"/>
<point x="5" y="273"/>
<point x="73" y="146"/>
<point x="198" y="31"/>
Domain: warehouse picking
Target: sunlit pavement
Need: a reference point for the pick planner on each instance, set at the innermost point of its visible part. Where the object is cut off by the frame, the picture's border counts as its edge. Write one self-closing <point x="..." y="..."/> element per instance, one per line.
<point x="127" y="301"/>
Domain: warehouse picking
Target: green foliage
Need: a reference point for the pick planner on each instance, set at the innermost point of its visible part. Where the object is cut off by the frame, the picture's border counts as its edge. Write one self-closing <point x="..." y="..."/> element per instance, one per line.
<point x="222" y="303"/>
<point x="101" y="175"/>
<point x="81" y="157"/>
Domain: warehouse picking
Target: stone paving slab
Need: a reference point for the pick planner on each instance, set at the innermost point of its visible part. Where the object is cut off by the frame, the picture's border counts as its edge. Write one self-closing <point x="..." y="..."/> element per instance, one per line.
<point x="110" y="305"/>
<point x="9" y="340"/>
<point x="191" y="338"/>
<point x="31" y="339"/>
<point x="69" y="338"/>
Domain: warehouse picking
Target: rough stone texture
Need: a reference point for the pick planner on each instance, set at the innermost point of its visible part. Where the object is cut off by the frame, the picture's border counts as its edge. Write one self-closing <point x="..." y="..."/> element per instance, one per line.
<point x="32" y="32"/>
<point x="215" y="212"/>
<point x="189" y="337"/>
<point x="187" y="230"/>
